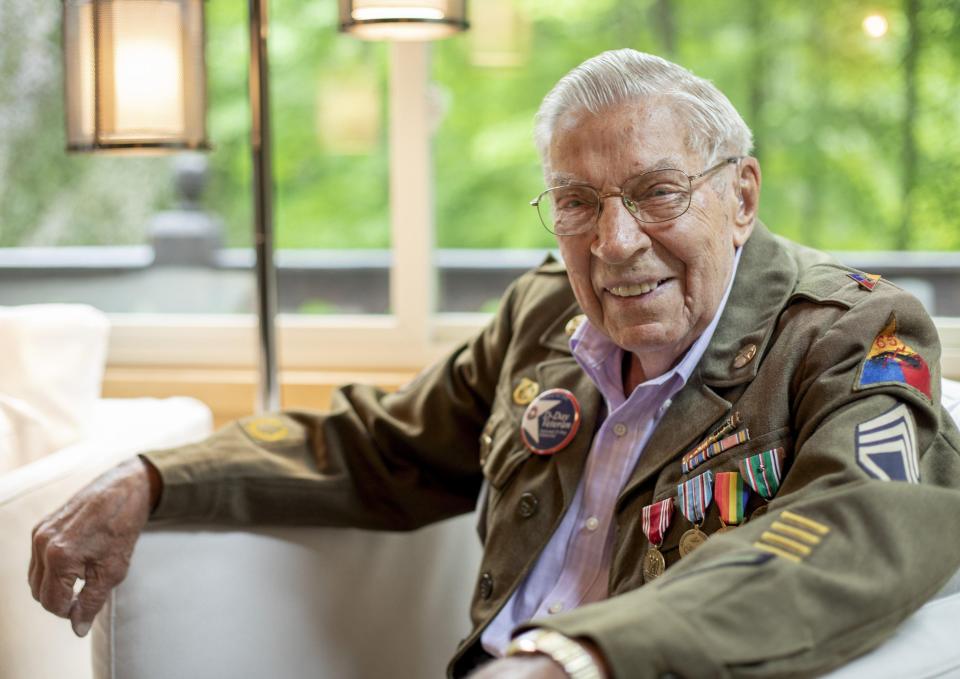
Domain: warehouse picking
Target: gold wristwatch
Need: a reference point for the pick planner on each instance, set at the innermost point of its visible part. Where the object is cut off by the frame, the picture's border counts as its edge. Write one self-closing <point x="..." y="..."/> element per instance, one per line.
<point x="571" y="656"/>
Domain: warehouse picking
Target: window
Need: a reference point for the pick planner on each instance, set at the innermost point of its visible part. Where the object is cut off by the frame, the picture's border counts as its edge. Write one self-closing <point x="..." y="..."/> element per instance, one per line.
<point x="403" y="172"/>
<point x="855" y="131"/>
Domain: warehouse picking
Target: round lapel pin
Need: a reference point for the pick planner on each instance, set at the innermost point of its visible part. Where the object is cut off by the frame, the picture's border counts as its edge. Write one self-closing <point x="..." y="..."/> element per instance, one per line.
<point x="550" y="422"/>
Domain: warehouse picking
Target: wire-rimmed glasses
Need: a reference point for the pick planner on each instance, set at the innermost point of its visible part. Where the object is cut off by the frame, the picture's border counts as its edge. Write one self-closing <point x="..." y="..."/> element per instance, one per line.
<point x="651" y="197"/>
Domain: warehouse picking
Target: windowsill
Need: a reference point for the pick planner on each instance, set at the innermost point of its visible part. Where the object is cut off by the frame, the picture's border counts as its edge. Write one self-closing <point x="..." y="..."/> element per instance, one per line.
<point x="317" y="356"/>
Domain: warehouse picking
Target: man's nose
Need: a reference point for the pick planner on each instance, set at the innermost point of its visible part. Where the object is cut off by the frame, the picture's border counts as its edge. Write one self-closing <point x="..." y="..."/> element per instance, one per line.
<point x="619" y="235"/>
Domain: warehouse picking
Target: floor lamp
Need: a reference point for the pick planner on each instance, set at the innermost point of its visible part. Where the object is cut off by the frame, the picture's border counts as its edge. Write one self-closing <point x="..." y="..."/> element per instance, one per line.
<point x="135" y="81"/>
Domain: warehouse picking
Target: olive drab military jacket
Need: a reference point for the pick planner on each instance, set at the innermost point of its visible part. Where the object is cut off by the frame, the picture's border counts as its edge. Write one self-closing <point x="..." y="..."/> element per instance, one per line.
<point x="821" y="387"/>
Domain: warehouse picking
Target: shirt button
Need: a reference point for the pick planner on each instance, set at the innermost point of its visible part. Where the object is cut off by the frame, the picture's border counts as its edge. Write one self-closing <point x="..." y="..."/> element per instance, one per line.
<point x="528" y="505"/>
<point x="593" y="523"/>
<point x="666" y="406"/>
<point x="555" y="608"/>
<point x="619" y="429"/>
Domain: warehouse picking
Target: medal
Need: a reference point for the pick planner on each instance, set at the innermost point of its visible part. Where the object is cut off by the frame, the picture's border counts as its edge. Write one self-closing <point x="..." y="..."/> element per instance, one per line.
<point x="653" y="564"/>
<point x="655" y="520"/>
<point x="694" y="496"/>
<point x="550" y="422"/>
<point x="692" y="539"/>
<point x="762" y="472"/>
<point x="731" y="497"/>
<point x="699" y="455"/>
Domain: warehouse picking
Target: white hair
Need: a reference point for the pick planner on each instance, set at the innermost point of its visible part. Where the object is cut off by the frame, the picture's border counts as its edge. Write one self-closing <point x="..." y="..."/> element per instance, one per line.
<point x="625" y="75"/>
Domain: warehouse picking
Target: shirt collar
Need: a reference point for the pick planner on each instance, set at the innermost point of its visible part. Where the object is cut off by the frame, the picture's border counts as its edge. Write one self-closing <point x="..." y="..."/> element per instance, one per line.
<point x="602" y="360"/>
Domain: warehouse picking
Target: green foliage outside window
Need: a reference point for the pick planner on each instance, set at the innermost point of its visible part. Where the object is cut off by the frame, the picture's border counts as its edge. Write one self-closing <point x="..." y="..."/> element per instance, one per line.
<point x="858" y="137"/>
<point x="848" y="162"/>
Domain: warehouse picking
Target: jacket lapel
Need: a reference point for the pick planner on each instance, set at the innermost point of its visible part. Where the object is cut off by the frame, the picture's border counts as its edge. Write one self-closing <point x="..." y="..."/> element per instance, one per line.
<point x="694" y="409"/>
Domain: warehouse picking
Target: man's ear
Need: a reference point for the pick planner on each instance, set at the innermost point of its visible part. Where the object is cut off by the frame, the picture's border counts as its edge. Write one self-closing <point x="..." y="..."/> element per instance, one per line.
<point x="748" y="198"/>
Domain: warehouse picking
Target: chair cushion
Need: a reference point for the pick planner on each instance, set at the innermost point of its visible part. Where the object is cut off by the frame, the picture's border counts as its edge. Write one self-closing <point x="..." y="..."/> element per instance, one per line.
<point x="53" y="361"/>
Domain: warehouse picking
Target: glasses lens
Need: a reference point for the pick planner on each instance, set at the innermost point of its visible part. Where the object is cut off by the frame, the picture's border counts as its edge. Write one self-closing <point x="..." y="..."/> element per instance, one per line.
<point x="658" y="196"/>
<point x="568" y="210"/>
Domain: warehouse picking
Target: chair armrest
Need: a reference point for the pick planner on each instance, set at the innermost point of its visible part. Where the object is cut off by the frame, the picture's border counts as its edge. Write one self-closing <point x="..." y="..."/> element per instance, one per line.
<point x="34" y="643"/>
<point x="289" y="602"/>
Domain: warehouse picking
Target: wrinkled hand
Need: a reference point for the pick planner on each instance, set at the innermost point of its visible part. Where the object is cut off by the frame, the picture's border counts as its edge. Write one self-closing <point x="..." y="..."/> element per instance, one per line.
<point x="91" y="538"/>
<point x="520" y="667"/>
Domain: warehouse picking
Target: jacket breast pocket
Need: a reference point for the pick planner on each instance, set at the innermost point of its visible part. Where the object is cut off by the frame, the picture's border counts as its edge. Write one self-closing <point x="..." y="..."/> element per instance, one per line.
<point x="501" y="449"/>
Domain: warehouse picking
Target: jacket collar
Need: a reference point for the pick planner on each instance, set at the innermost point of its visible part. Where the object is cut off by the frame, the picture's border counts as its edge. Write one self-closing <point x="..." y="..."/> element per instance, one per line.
<point x="764" y="282"/>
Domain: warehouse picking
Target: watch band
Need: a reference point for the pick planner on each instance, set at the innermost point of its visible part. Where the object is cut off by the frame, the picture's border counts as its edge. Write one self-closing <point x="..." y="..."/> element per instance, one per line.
<point x="571" y="656"/>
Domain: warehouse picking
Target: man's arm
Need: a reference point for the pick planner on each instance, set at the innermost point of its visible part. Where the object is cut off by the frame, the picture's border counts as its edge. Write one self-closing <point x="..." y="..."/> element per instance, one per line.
<point x="91" y="538"/>
<point x="392" y="461"/>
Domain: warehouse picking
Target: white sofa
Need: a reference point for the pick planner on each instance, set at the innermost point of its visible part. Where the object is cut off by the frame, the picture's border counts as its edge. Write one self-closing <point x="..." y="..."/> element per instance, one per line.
<point x="204" y="602"/>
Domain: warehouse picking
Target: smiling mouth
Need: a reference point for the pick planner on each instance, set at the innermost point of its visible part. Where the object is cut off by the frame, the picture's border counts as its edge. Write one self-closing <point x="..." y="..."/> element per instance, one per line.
<point x="637" y="289"/>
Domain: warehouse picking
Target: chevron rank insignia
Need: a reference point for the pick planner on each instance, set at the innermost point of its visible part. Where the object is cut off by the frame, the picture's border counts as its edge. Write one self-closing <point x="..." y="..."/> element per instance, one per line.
<point x="887" y="446"/>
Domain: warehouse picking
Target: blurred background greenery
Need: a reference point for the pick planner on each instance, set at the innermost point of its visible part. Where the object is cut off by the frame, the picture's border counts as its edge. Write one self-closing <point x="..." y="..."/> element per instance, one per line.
<point x="858" y="134"/>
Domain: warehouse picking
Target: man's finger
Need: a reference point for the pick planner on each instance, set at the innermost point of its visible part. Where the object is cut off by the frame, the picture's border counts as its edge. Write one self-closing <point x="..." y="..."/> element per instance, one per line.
<point x="87" y="605"/>
<point x="36" y="567"/>
<point x="56" y="589"/>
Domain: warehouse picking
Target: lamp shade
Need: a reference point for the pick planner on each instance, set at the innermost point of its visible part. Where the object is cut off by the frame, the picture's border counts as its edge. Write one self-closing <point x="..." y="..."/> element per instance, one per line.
<point x="134" y="74"/>
<point x="403" y="19"/>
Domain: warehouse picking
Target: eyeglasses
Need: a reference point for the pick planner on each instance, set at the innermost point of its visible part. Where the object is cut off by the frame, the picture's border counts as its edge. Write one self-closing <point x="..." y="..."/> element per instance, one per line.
<point x="651" y="197"/>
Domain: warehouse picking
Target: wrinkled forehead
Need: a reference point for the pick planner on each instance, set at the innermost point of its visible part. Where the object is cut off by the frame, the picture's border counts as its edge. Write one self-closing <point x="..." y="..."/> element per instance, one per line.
<point x="632" y="138"/>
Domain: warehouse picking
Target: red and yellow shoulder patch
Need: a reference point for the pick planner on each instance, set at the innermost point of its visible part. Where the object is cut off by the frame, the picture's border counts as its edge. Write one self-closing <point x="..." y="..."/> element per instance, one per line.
<point x="891" y="361"/>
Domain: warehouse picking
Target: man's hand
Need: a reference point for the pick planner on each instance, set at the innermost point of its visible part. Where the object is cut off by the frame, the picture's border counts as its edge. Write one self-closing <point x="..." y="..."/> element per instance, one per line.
<point x="520" y="667"/>
<point x="91" y="538"/>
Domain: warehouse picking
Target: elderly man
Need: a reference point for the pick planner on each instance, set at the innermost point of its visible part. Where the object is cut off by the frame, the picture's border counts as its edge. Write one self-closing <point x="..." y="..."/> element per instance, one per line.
<point x="699" y="449"/>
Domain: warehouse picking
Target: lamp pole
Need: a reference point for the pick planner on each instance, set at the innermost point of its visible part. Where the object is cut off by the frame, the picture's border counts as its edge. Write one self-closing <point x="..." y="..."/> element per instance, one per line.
<point x="268" y="396"/>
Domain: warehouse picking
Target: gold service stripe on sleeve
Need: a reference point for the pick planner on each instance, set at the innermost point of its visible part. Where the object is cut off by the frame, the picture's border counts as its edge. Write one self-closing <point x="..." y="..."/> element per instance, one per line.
<point x="793" y="545"/>
<point x="776" y="551"/>
<point x="795" y="532"/>
<point x="815" y="526"/>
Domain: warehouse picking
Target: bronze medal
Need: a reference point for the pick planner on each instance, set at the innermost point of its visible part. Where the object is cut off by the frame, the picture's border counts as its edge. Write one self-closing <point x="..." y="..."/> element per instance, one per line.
<point x="692" y="539"/>
<point x="653" y="564"/>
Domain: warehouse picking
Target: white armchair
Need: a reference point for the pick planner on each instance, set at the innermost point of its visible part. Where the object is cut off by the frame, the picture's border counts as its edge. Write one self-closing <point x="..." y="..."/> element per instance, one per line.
<point x="56" y="434"/>
<point x="345" y="604"/>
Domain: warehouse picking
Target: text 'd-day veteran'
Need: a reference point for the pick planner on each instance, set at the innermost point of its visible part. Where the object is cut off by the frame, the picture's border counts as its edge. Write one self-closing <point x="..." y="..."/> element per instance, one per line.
<point x="699" y="448"/>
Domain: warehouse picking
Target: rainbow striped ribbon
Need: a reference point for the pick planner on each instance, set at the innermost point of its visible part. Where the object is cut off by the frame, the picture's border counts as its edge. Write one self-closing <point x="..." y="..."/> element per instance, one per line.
<point x="694" y="496"/>
<point x="698" y="456"/>
<point x="763" y="472"/>
<point x="656" y="520"/>
<point x="731" y="497"/>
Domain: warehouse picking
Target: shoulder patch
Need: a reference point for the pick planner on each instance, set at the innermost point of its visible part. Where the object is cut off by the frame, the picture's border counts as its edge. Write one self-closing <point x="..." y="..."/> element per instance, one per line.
<point x="887" y="446"/>
<point x="266" y="429"/>
<point x="891" y="362"/>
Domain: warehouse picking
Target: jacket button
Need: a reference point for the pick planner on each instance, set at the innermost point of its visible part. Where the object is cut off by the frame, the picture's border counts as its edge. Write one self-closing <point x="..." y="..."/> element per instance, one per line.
<point x="745" y="355"/>
<point x="486" y="586"/>
<point x="528" y="505"/>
